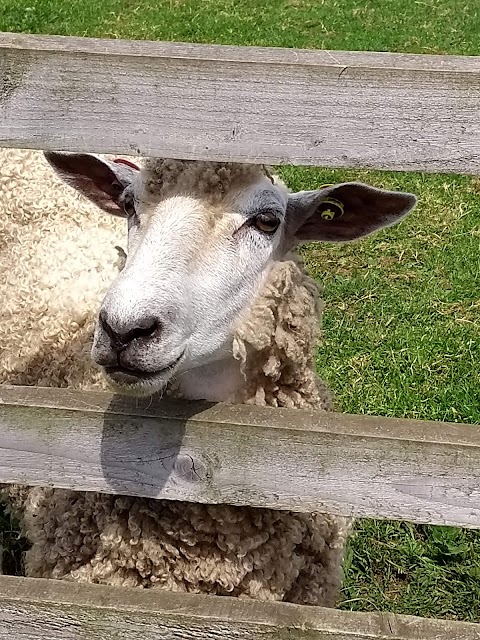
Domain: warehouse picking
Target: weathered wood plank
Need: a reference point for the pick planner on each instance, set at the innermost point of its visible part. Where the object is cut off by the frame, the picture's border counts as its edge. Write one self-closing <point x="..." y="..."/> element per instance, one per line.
<point x="39" y="609"/>
<point x="285" y="459"/>
<point x="246" y="104"/>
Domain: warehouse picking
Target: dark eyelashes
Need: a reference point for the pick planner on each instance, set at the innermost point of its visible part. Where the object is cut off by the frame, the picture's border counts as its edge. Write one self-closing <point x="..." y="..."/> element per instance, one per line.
<point x="266" y="221"/>
<point x="130" y="204"/>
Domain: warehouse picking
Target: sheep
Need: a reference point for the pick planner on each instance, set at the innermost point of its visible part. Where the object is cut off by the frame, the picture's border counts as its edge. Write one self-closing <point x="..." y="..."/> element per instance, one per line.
<point x="209" y="301"/>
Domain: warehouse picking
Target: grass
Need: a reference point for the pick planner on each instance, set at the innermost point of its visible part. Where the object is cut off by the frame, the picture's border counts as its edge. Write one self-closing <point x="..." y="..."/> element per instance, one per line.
<point x="430" y="26"/>
<point x="401" y="334"/>
<point x="402" y="327"/>
<point x="428" y="571"/>
<point x="12" y="546"/>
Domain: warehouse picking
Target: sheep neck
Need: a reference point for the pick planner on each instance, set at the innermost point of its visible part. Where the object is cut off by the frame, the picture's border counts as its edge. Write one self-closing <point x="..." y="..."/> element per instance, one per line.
<point x="218" y="381"/>
<point x="271" y="357"/>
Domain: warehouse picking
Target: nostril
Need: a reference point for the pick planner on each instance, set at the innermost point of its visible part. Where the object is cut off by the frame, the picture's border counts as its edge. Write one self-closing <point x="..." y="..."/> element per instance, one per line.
<point x="143" y="328"/>
<point x="102" y="317"/>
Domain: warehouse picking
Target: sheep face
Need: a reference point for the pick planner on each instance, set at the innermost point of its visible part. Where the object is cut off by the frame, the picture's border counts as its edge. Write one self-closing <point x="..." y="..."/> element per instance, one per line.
<point x="201" y="239"/>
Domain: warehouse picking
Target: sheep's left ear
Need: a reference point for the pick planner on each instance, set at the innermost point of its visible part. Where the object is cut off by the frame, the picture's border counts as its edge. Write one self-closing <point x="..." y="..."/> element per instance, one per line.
<point x="101" y="181"/>
<point x="343" y="212"/>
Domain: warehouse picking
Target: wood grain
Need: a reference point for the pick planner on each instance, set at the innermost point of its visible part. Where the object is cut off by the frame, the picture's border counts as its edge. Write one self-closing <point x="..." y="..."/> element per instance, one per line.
<point x="284" y="459"/>
<point x="245" y="104"/>
<point x="39" y="609"/>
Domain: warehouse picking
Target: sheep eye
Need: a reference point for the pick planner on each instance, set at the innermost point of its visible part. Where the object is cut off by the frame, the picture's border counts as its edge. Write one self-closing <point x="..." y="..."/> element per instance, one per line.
<point x="266" y="222"/>
<point x="129" y="205"/>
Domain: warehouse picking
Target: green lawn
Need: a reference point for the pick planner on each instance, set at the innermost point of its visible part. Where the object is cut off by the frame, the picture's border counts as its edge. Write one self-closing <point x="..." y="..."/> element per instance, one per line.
<point x="430" y="26"/>
<point x="402" y="328"/>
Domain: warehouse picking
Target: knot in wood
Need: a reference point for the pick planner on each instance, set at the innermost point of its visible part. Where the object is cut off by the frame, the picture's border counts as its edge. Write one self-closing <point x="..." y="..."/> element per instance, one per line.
<point x="190" y="469"/>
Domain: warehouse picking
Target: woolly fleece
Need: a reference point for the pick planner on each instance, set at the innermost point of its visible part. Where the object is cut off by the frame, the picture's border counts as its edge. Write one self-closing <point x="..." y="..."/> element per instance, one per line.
<point x="58" y="258"/>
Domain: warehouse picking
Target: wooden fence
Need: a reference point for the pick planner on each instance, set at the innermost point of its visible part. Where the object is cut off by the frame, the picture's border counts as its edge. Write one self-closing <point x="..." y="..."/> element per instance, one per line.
<point x="259" y="105"/>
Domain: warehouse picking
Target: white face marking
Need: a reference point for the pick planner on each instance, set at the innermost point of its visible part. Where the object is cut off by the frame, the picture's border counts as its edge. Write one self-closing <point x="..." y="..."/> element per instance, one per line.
<point x="192" y="269"/>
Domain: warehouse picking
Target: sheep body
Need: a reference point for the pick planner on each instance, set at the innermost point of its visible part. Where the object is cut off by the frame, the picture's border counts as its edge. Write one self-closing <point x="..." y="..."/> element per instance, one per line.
<point x="58" y="259"/>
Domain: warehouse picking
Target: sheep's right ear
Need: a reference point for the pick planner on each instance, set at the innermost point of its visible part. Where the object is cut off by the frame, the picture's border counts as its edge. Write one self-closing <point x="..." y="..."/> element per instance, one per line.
<point x="344" y="212"/>
<point x="101" y="181"/>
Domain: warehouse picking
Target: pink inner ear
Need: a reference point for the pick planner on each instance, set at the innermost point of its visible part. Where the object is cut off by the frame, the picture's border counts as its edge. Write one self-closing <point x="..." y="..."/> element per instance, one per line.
<point x="127" y="162"/>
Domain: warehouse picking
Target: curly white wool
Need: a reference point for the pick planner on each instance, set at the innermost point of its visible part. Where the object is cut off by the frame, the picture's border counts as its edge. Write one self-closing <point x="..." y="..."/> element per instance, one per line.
<point x="58" y="259"/>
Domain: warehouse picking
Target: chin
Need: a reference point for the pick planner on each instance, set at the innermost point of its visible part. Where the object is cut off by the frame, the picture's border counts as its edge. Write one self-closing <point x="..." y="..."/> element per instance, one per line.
<point x="137" y="387"/>
<point x="135" y="382"/>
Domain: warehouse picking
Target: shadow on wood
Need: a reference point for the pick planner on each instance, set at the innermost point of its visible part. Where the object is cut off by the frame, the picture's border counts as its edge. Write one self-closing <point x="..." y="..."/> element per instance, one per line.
<point x="141" y="450"/>
<point x="427" y="472"/>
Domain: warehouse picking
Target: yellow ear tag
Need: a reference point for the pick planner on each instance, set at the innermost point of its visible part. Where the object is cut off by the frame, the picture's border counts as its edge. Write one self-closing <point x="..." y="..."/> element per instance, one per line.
<point x="328" y="214"/>
<point x="331" y="209"/>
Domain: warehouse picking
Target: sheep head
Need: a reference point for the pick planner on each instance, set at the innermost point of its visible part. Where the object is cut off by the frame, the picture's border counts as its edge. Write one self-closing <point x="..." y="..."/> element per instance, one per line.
<point x="202" y="237"/>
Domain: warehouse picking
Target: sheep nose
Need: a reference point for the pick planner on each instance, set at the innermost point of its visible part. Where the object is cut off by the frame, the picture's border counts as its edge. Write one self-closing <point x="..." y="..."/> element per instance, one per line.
<point x="122" y="336"/>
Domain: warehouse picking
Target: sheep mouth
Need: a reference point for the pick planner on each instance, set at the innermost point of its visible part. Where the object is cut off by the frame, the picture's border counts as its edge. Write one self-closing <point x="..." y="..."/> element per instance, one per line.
<point x="127" y="375"/>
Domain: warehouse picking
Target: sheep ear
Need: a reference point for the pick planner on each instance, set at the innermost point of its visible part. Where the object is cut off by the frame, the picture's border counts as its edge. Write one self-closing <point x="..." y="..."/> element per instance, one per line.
<point x="101" y="181"/>
<point x="343" y="212"/>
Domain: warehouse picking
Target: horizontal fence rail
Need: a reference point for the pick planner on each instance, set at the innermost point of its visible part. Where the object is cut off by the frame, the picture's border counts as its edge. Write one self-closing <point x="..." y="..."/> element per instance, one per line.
<point x="39" y="609"/>
<point x="291" y="459"/>
<point x="245" y="104"/>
